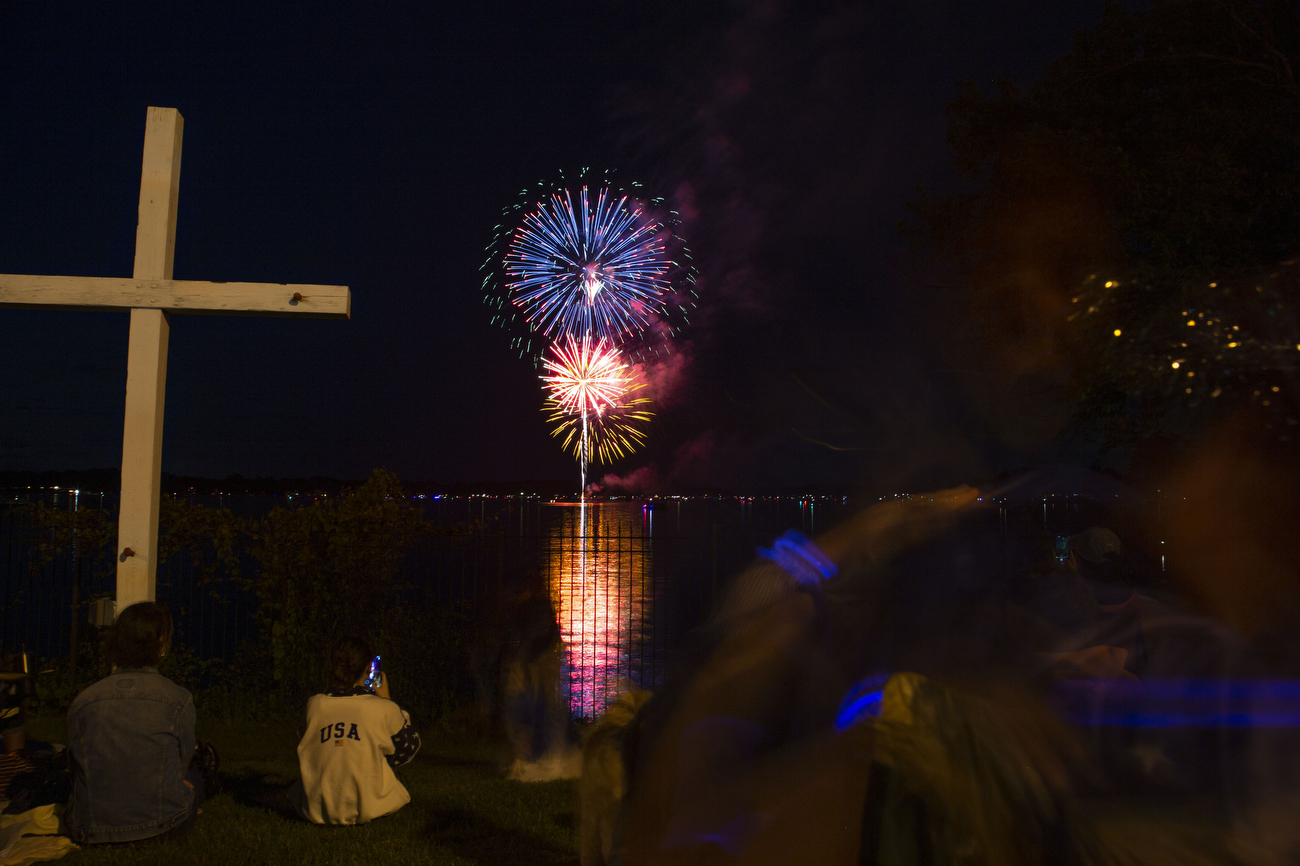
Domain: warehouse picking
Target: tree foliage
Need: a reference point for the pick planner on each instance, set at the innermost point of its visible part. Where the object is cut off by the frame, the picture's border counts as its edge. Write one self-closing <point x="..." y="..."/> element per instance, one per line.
<point x="327" y="569"/>
<point x="1153" y="173"/>
<point x="208" y="536"/>
<point x="317" y="571"/>
<point x="1151" y="352"/>
<point x="87" y="529"/>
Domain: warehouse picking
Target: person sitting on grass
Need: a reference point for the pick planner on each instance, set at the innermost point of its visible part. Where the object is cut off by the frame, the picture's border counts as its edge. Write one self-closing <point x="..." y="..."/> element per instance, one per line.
<point x="354" y="738"/>
<point x="137" y="771"/>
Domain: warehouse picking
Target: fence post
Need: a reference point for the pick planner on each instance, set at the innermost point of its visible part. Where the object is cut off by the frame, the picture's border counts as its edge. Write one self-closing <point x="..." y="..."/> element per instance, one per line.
<point x="76" y="609"/>
<point x="501" y="563"/>
<point x="714" y="597"/>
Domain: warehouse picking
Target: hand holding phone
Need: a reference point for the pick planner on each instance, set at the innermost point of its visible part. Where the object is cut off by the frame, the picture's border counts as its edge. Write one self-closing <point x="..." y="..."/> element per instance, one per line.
<point x="374" y="675"/>
<point x="1062" y="548"/>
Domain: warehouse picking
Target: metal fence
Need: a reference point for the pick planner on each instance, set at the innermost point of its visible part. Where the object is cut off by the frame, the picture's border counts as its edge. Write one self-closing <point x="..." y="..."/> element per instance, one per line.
<point x="622" y="596"/>
<point x="39" y="597"/>
<point x="624" y="589"/>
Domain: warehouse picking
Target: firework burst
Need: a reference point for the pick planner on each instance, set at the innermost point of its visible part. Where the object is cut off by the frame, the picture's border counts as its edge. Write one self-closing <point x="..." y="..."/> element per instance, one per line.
<point x="593" y="401"/>
<point x="588" y="261"/>
<point x="584" y="378"/>
<point x="590" y="276"/>
<point x="591" y="266"/>
<point x="613" y="434"/>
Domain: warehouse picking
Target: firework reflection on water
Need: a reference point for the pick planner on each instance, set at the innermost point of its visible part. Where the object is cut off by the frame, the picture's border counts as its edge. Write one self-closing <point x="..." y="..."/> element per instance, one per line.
<point x="601" y="579"/>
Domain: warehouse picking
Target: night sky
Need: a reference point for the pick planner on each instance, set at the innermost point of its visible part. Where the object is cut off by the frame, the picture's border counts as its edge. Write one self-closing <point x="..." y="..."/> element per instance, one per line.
<point x="375" y="145"/>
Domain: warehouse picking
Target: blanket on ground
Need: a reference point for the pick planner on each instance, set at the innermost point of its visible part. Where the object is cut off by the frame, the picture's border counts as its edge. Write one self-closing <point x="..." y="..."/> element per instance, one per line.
<point x="31" y="837"/>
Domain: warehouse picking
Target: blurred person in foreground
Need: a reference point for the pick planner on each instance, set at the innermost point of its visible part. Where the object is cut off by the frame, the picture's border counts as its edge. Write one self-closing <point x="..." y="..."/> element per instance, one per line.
<point x="536" y="718"/>
<point x="1087" y="616"/>
<point x="603" y="780"/>
<point x="137" y="770"/>
<point x="1230" y="529"/>
<point x="874" y="697"/>
<point x="738" y="758"/>
<point x="355" y="736"/>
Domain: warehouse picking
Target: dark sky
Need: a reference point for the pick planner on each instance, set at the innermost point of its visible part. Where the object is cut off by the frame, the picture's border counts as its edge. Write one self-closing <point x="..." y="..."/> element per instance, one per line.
<point x="375" y="145"/>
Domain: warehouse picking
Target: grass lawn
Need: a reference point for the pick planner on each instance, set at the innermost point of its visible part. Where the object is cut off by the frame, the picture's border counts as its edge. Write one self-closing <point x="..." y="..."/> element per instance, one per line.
<point x="462" y="811"/>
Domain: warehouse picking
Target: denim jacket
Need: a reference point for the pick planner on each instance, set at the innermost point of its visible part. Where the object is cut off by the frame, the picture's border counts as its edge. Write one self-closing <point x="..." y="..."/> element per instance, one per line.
<point x="131" y="739"/>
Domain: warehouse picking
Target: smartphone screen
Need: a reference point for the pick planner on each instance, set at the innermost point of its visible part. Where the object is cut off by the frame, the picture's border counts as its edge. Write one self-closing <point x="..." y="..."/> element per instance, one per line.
<point x="372" y="675"/>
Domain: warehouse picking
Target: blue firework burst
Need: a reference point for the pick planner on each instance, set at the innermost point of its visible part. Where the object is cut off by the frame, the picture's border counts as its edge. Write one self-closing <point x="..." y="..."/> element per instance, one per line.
<point x="590" y="264"/>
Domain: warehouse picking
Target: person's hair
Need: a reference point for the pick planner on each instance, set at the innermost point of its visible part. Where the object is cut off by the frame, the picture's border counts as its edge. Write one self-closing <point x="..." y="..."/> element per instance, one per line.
<point x="139" y="634"/>
<point x="349" y="659"/>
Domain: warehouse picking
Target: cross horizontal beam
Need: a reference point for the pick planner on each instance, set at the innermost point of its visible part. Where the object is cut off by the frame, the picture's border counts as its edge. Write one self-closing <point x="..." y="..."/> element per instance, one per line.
<point x="175" y="296"/>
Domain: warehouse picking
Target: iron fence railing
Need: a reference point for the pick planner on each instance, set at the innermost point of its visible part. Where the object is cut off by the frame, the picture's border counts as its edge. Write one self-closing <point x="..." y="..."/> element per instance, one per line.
<point x="622" y="595"/>
<point x="624" y="589"/>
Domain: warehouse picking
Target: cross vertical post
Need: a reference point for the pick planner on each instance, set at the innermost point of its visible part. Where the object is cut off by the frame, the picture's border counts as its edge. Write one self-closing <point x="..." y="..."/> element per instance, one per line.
<point x="146" y="365"/>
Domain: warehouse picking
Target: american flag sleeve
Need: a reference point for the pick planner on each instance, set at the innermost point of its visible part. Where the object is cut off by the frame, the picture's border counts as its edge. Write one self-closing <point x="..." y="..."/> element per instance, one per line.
<point x="406" y="743"/>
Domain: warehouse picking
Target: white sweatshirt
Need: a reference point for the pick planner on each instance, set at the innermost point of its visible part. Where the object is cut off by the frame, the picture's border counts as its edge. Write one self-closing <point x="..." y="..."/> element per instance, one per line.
<point x="344" y="757"/>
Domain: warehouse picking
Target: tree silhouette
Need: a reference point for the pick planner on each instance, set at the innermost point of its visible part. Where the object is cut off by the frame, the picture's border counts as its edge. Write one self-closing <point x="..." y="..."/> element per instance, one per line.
<point x="1150" y="178"/>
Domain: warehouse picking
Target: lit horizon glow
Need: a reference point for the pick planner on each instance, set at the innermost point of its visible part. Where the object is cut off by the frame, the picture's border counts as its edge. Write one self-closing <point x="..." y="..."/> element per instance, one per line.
<point x="583" y="266"/>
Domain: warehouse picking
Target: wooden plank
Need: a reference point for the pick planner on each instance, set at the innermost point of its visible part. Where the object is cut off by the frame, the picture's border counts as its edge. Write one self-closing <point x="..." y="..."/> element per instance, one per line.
<point x="160" y="186"/>
<point x="146" y="361"/>
<point x="137" y="525"/>
<point x="175" y="296"/>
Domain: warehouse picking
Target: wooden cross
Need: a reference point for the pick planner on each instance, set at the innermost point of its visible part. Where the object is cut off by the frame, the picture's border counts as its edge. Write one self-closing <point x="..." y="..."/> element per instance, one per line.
<point x="152" y="295"/>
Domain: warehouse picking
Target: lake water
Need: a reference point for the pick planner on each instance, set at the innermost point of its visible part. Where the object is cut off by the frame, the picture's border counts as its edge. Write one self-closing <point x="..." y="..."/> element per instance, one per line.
<point x="628" y="578"/>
